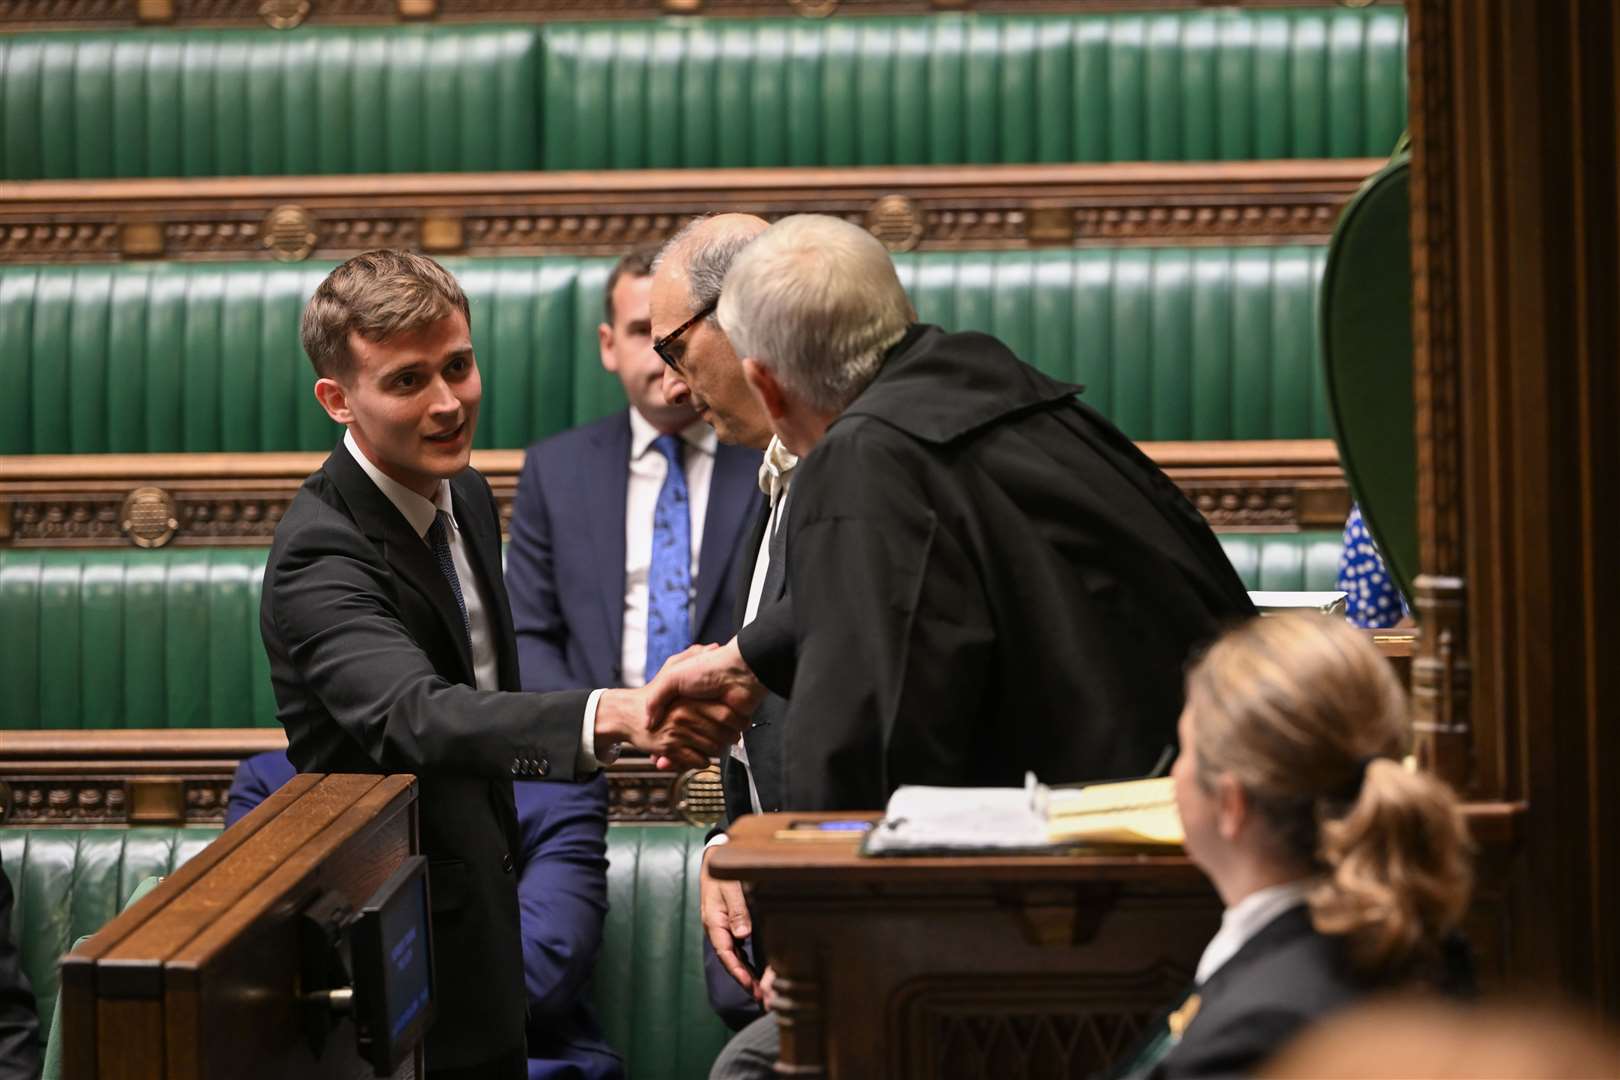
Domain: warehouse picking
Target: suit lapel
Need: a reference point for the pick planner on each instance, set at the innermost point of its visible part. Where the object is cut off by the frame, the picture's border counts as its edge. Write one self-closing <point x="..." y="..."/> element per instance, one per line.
<point x="480" y="533"/>
<point x="733" y="491"/>
<point x="605" y="477"/>
<point x="404" y="551"/>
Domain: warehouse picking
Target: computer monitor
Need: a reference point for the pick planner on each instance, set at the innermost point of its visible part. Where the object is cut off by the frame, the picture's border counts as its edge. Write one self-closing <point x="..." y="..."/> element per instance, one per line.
<point x="391" y="948"/>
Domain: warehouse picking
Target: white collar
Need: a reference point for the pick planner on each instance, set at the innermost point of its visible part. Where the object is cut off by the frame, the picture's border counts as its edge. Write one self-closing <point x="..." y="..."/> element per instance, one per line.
<point x="417" y="511"/>
<point x="697" y="435"/>
<point x="776" y="469"/>
<point x="1246" y="918"/>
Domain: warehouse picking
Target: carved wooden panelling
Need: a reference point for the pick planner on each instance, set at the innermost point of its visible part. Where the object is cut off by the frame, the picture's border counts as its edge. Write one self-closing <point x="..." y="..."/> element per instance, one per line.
<point x="287" y="14"/>
<point x="604" y="213"/>
<point x="222" y="500"/>
<point x="183" y="777"/>
<point x="1028" y="1029"/>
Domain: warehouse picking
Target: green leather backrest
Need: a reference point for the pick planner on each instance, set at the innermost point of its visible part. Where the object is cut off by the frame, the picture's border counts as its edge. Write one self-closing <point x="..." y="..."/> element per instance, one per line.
<point x="1285" y="562"/>
<point x="264" y="102"/>
<point x="70" y="882"/>
<point x="127" y="638"/>
<point x="649" y="976"/>
<point x="132" y="638"/>
<point x="1173" y="343"/>
<point x="649" y="987"/>
<point x="1366" y="332"/>
<point x="979" y="89"/>
<point x="705" y="93"/>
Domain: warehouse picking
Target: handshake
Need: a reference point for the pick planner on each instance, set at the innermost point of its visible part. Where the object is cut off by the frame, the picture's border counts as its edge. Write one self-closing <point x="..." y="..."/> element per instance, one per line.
<point x="693" y="710"/>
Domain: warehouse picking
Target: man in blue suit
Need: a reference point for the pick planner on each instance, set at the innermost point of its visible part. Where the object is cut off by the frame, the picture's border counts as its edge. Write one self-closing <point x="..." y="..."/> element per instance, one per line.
<point x="562" y="900"/>
<point x="625" y="530"/>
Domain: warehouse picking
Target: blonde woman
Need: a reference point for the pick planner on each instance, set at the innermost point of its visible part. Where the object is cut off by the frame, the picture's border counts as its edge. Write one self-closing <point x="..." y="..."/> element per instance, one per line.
<point x="1342" y="871"/>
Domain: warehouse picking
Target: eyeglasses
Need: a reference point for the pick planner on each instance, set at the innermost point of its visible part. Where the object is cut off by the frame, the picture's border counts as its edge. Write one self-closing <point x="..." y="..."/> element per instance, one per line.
<point x="661" y="346"/>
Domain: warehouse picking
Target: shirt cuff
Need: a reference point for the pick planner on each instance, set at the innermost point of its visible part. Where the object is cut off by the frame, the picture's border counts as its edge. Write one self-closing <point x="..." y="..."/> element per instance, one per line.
<point x="716" y="840"/>
<point x="585" y="762"/>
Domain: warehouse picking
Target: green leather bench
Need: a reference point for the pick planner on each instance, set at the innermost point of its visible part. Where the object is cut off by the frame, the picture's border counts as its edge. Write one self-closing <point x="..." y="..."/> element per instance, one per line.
<point x="1173" y="343"/>
<point x="704" y="93"/>
<point x="128" y="638"/>
<point x="649" y="976"/>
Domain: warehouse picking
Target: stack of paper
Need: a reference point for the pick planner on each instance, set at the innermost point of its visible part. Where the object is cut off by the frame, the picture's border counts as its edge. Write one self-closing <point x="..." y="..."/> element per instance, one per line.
<point x="1131" y="812"/>
<point x="1035" y="818"/>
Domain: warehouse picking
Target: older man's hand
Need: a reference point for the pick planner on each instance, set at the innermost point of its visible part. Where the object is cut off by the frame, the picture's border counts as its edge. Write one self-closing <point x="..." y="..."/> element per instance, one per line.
<point x="675" y="733"/>
<point x="699" y="679"/>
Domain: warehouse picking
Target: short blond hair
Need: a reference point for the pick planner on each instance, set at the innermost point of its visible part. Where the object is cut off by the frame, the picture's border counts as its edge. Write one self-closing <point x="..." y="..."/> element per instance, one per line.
<point x="379" y="295"/>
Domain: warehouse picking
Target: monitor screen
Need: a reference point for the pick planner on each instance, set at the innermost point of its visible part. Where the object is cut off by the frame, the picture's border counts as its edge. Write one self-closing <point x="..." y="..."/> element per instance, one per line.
<point x="391" y="945"/>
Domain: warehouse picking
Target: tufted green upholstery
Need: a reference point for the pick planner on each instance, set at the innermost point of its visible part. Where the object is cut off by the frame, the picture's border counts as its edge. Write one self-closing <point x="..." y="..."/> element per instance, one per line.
<point x="131" y="638"/>
<point x="977" y="89"/>
<point x="649" y="977"/>
<point x="170" y="638"/>
<point x="649" y="986"/>
<point x="701" y="93"/>
<point x="68" y="882"/>
<point x="1285" y="562"/>
<point x="1170" y="343"/>
<point x="261" y="102"/>
<point x="1173" y="343"/>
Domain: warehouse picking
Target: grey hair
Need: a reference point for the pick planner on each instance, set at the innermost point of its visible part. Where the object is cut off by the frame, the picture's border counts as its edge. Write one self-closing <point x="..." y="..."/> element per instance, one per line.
<point x="816" y="300"/>
<point x="706" y="259"/>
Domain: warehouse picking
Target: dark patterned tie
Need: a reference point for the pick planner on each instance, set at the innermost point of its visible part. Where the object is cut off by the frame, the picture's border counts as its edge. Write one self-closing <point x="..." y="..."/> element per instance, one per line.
<point x="438" y="537"/>
<point x="669" y="572"/>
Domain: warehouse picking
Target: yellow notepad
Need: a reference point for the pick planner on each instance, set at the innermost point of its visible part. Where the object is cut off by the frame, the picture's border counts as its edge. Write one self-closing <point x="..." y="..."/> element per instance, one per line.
<point x="1134" y="812"/>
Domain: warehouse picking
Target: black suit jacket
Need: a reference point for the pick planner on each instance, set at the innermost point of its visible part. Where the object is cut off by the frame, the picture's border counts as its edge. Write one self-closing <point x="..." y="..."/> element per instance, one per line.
<point x="763" y="738"/>
<point x="1285" y="977"/>
<point x="372" y="673"/>
<point x="985" y="577"/>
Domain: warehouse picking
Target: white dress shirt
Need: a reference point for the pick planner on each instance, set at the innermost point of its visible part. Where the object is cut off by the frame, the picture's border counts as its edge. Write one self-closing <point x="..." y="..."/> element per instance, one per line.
<point x="419" y="514"/>
<point x="1246" y="918"/>
<point x="775" y="476"/>
<point x="648" y="470"/>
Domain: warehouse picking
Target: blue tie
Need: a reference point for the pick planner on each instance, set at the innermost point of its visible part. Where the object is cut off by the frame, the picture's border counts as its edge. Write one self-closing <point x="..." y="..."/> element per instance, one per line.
<point x="669" y="573"/>
<point x="439" y="539"/>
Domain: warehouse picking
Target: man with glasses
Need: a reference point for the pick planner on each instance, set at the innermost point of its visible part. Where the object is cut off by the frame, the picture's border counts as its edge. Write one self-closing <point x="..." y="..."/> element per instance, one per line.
<point x="702" y="371"/>
<point x="625" y="530"/>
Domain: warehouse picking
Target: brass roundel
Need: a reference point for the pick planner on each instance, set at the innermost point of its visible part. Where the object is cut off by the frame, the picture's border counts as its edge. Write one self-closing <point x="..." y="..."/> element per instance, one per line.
<point x="700" y="797"/>
<point x="289" y="233"/>
<point x="148" y="517"/>
<point x="814" y="9"/>
<point x="284" y="14"/>
<point x="895" y="220"/>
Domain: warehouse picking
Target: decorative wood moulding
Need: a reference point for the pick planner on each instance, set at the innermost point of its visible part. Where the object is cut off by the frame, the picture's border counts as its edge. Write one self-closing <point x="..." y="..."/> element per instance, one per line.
<point x="221" y="500"/>
<point x="606" y="212"/>
<point x="183" y="776"/>
<point x="287" y="14"/>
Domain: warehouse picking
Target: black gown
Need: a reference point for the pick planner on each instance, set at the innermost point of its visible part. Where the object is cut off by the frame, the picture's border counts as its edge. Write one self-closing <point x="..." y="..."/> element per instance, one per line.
<point x="986" y="577"/>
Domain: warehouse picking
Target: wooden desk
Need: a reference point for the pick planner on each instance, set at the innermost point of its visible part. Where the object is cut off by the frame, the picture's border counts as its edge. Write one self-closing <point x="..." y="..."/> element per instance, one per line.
<point x="200" y="978"/>
<point x="964" y="967"/>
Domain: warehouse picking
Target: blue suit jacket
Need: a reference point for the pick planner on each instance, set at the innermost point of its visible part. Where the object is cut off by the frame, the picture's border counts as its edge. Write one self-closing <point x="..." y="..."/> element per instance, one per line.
<point x="562" y="900"/>
<point x="565" y="561"/>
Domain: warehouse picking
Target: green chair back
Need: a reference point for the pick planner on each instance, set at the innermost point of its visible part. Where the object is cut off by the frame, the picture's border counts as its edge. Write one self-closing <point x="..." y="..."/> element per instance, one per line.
<point x="1366" y="329"/>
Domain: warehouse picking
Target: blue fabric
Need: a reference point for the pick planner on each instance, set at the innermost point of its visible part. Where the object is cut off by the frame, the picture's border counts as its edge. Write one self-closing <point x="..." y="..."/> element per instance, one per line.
<point x="669" y="574"/>
<point x="438" y="537"/>
<point x="565" y="562"/>
<point x="562" y="901"/>
<point x="1374" y="599"/>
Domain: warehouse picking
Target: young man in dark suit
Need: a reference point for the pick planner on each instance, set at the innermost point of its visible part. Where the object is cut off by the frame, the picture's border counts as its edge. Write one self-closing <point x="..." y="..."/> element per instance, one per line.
<point x="390" y="637"/>
<point x="608" y="512"/>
